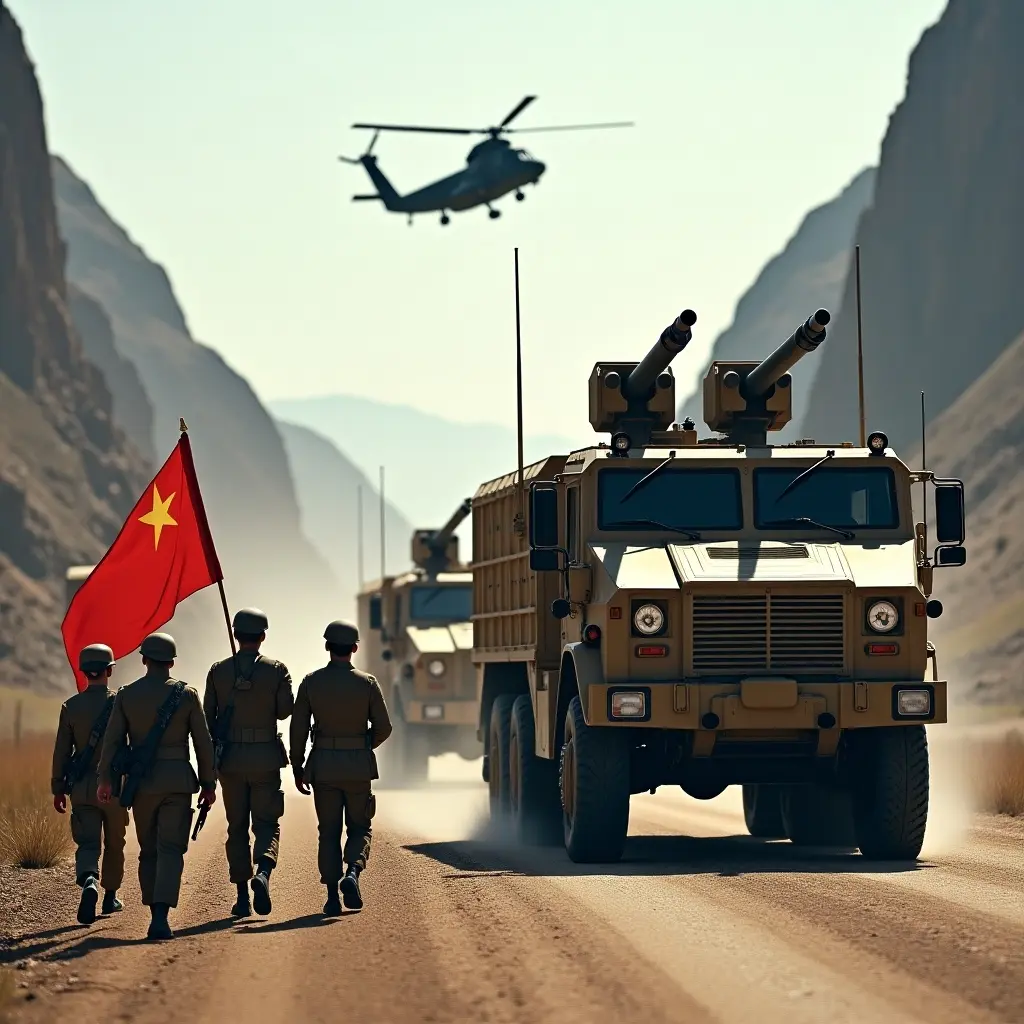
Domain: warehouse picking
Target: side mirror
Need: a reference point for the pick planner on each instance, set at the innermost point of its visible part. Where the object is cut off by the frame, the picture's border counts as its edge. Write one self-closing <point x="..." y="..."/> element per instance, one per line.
<point x="949" y="514"/>
<point x="543" y="560"/>
<point x="951" y="556"/>
<point x="543" y="516"/>
<point x="375" y="613"/>
<point x="560" y="608"/>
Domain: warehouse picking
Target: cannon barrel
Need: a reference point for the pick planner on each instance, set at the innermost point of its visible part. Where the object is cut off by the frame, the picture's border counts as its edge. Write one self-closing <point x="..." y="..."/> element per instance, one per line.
<point x="438" y="540"/>
<point x="806" y="338"/>
<point x="673" y="340"/>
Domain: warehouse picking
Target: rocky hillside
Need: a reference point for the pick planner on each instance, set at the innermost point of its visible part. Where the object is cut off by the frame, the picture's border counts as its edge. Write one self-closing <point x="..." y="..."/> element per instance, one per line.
<point x="980" y="439"/>
<point x="942" y="246"/>
<point x="809" y="273"/>
<point x="240" y="457"/>
<point x="328" y="485"/>
<point x="68" y="475"/>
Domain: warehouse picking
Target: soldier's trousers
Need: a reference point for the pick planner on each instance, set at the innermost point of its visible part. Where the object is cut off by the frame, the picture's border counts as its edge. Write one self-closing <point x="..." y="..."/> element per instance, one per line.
<point x="96" y="826"/>
<point x="255" y="797"/>
<point x="162" y="823"/>
<point x="353" y="802"/>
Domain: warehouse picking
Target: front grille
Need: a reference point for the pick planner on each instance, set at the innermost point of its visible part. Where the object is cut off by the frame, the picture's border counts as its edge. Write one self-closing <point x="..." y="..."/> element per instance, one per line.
<point x="768" y="633"/>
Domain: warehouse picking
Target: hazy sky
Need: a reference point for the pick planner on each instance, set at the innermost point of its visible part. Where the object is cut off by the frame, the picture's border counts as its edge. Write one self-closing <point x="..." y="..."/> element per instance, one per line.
<point x="211" y="131"/>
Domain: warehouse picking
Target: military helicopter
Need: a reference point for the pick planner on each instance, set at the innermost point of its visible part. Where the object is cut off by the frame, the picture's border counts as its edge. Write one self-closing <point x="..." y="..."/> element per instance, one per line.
<point x="493" y="169"/>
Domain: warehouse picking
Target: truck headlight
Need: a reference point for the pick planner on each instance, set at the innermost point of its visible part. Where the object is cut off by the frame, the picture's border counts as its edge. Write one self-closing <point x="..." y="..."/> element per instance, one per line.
<point x="914" y="702"/>
<point x="628" y="705"/>
<point x="648" y="619"/>
<point x="883" y="616"/>
<point x="436" y="668"/>
<point x="433" y="712"/>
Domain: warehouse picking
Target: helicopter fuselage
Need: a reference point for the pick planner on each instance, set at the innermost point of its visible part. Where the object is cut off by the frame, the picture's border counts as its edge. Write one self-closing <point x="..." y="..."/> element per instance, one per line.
<point x="491" y="172"/>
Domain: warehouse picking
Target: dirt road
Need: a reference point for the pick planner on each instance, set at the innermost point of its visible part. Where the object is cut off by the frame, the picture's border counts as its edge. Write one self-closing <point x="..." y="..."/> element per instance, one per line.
<point x="459" y="926"/>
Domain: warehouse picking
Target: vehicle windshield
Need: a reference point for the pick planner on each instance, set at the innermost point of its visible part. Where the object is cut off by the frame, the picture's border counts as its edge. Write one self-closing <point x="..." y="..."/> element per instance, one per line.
<point x="854" y="498"/>
<point x="445" y="603"/>
<point x="676" y="498"/>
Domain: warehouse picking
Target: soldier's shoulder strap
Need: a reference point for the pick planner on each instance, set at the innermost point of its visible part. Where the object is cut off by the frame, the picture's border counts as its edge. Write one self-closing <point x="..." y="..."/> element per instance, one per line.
<point x="81" y="761"/>
<point x="169" y="706"/>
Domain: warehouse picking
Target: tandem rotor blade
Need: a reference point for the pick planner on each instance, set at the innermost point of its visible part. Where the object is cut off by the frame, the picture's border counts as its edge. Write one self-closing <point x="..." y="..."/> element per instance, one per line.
<point x="419" y="128"/>
<point x="516" y="111"/>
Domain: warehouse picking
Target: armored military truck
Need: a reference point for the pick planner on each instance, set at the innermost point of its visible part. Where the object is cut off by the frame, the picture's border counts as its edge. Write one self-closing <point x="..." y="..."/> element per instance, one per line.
<point x="370" y="601"/>
<point x="422" y="637"/>
<point x="665" y="610"/>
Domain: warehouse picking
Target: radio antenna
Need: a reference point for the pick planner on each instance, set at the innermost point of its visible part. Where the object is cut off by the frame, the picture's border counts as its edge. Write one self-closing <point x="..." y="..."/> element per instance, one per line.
<point x="383" y="542"/>
<point x="521" y="510"/>
<point x="924" y="480"/>
<point x="860" y="350"/>
<point x="359" y="535"/>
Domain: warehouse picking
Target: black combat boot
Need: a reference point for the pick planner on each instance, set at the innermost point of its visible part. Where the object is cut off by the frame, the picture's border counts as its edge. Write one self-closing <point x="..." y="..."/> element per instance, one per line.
<point x="158" y="926"/>
<point x="332" y="908"/>
<point x="111" y="904"/>
<point x="241" y="907"/>
<point x="87" y="904"/>
<point x="261" y="888"/>
<point x="350" y="889"/>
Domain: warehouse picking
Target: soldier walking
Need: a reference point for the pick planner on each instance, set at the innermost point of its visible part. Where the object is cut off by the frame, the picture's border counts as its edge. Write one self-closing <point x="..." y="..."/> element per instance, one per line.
<point x="166" y="781"/>
<point x="76" y="755"/>
<point x="246" y="695"/>
<point x="350" y="720"/>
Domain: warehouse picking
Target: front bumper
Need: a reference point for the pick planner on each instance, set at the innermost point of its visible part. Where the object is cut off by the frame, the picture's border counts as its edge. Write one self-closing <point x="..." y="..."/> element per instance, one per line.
<point x="441" y="712"/>
<point x="766" y="704"/>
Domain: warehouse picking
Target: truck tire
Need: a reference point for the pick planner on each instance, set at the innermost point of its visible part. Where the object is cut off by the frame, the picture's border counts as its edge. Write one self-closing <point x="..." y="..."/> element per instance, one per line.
<point x="890" y="795"/>
<point x="817" y="816"/>
<point x="594" y="785"/>
<point x="501" y="722"/>
<point x="762" y="811"/>
<point x="533" y="782"/>
<point x="416" y="756"/>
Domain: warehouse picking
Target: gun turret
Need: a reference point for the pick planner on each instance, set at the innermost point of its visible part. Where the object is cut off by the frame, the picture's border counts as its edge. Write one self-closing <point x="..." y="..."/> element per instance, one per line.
<point x="437" y="550"/>
<point x="744" y="400"/>
<point x="632" y="400"/>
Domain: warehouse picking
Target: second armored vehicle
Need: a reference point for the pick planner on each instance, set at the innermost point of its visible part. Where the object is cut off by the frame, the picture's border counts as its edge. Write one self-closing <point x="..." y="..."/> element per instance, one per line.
<point x="707" y="613"/>
<point x="418" y="637"/>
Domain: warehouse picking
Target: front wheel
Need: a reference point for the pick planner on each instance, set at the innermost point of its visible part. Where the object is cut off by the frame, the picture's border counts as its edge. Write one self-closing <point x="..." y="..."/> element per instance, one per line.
<point x="594" y="783"/>
<point x="890" y="792"/>
<point x="817" y="815"/>
<point x="762" y="811"/>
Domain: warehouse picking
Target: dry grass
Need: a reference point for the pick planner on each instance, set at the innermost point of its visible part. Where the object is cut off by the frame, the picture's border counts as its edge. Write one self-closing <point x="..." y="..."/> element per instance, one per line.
<point x="999" y="777"/>
<point x="32" y="834"/>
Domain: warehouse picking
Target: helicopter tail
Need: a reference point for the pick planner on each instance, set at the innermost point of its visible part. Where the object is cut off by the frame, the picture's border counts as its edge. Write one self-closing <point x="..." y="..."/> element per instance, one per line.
<point x="385" y="190"/>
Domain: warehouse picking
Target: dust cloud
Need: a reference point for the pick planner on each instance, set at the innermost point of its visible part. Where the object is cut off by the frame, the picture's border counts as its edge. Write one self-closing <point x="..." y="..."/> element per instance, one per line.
<point x="953" y="797"/>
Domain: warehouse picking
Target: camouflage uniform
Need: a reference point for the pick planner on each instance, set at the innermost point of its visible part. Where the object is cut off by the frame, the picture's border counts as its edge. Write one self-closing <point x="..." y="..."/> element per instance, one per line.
<point x="350" y="719"/>
<point x="258" y="691"/>
<point x="94" y="826"/>
<point x="163" y="804"/>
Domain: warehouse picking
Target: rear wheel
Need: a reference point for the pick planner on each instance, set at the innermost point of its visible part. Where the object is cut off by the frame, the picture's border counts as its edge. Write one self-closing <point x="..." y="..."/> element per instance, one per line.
<point x="762" y="811"/>
<point x="498" y="763"/>
<point x="594" y="782"/>
<point x="817" y="816"/>
<point x="533" y="782"/>
<point x="890" y="796"/>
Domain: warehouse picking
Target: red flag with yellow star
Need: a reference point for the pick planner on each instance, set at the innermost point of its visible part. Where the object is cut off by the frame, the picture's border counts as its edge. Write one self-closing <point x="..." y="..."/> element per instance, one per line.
<point x="163" y="554"/>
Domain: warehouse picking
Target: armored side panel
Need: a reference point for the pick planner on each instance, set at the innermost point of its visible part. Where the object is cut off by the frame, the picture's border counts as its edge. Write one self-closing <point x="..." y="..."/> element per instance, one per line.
<point x="512" y="618"/>
<point x="368" y="657"/>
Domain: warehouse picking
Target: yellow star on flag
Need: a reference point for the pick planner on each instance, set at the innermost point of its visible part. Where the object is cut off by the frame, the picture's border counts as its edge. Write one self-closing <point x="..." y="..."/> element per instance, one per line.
<point x="158" y="516"/>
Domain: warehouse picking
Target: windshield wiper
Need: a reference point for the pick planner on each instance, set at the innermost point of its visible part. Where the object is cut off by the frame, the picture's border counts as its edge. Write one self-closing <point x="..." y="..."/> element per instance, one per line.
<point x="806" y="521"/>
<point x="657" y="469"/>
<point x="656" y="525"/>
<point x="830" y="454"/>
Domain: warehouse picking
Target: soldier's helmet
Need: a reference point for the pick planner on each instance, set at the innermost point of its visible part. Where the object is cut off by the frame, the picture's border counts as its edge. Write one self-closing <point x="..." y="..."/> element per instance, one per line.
<point x="96" y="658"/>
<point x="251" y="621"/>
<point x="342" y="633"/>
<point x="159" y="647"/>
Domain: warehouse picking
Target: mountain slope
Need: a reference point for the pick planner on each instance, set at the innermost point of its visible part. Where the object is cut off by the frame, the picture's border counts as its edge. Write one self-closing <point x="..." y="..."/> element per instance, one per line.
<point x="809" y="273"/>
<point x="68" y="475"/>
<point x="328" y="485"/>
<point x="431" y="464"/>
<point x="980" y="439"/>
<point x="240" y="457"/>
<point x="942" y="246"/>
